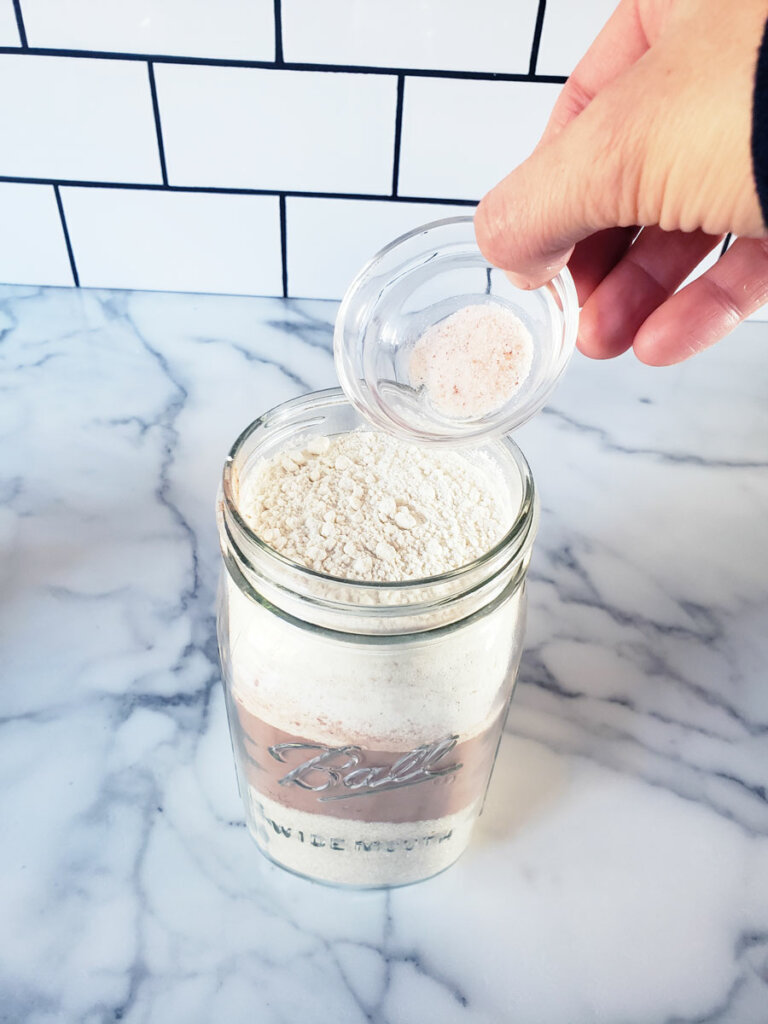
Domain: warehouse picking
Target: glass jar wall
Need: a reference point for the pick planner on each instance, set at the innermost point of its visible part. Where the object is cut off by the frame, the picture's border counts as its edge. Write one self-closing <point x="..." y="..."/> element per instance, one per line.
<point x="365" y="717"/>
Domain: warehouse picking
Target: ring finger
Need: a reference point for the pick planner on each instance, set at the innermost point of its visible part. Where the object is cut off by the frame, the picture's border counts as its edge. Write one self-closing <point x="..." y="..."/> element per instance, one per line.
<point x="653" y="267"/>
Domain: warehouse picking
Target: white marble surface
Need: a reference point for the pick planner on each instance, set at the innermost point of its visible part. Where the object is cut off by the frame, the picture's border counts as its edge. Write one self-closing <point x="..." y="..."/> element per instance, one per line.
<point x="620" y="873"/>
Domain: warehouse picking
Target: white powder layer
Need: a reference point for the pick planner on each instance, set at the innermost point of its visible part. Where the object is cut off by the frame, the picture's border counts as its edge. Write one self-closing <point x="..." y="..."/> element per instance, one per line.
<point x="366" y="506"/>
<point x="358" y="853"/>
<point x="474" y="361"/>
<point x="378" y="696"/>
<point x="381" y="696"/>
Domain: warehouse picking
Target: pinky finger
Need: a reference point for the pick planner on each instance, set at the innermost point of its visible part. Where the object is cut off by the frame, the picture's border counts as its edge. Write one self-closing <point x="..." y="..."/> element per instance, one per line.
<point x="709" y="308"/>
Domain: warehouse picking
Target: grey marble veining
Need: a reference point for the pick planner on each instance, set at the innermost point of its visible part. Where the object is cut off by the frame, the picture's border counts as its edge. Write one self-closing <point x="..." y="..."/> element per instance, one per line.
<point x="620" y="871"/>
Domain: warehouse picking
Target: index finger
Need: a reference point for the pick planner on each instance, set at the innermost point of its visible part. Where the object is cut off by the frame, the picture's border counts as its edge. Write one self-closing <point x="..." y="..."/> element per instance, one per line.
<point x="622" y="40"/>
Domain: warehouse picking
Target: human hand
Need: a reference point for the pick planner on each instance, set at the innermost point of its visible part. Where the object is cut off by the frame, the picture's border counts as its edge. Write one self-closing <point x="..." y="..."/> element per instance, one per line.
<point x="652" y="129"/>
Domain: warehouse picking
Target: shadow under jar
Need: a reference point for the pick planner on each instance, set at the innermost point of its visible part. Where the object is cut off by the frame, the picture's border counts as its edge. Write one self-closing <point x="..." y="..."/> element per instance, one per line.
<point x="365" y="717"/>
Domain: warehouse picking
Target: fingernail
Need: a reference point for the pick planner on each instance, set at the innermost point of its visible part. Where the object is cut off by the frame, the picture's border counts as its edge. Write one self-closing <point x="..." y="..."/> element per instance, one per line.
<point x="540" y="275"/>
<point x="520" y="281"/>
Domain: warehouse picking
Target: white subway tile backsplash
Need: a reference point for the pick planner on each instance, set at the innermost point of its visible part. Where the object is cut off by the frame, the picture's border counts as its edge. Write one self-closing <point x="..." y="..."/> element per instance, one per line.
<point x="292" y="130"/>
<point x="461" y="136"/>
<point x="486" y="35"/>
<point x="175" y="241"/>
<point x="569" y="30"/>
<point x="33" y="249"/>
<point x="329" y="240"/>
<point x="9" y="33"/>
<point x="233" y="29"/>
<point x="75" y="118"/>
<point x="318" y="127"/>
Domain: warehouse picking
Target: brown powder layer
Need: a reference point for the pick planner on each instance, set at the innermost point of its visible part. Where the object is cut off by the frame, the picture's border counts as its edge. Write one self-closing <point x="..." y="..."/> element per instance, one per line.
<point x="347" y="781"/>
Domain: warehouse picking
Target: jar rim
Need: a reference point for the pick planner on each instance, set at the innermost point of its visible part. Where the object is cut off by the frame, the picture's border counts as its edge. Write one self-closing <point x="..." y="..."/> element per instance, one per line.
<point x="512" y="541"/>
<point x="428" y="634"/>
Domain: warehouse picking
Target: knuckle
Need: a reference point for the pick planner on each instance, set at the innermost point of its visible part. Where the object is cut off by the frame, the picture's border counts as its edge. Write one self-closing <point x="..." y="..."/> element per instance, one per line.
<point x="724" y="303"/>
<point x="576" y="95"/>
<point x="759" y="289"/>
<point x="573" y="99"/>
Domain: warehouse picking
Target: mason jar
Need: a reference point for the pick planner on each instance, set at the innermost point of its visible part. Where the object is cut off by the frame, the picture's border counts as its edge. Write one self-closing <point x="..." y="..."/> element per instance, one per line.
<point x="365" y="717"/>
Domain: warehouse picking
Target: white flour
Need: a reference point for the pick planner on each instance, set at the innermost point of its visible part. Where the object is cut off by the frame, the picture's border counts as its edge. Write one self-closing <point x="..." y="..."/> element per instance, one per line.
<point x="354" y="853"/>
<point x="387" y="696"/>
<point x="366" y="506"/>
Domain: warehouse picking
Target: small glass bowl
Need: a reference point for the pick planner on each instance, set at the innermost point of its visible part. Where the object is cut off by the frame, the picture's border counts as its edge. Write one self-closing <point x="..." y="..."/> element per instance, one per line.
<point x="418" y="280"/>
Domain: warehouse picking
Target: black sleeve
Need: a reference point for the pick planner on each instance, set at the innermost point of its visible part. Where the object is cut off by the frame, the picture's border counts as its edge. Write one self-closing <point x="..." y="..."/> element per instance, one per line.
<point x="760" y="126"/>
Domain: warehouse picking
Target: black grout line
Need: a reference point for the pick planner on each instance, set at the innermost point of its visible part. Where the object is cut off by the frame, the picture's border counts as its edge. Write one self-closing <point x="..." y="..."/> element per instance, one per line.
<point x="65" y="229"/>
<point x="158" y="125"/>
<point x="537" y="36"/>
<point x="278" y="33"/>
<point x="214" y="190"/>
<point x="164" y="58"/>
<point x="20" y="23"/>
<point x="284" y="246"/>
<point x="726" y="243"/>
<point x="398" y="132"/>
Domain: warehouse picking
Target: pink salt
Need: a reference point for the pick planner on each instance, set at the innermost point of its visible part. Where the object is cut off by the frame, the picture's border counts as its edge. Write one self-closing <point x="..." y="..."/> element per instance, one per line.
<point x="472" y="362"/>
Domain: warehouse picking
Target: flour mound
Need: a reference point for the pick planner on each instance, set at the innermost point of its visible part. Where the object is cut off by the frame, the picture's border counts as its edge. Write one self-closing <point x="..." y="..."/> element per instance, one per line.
<point x="366" y="506"/>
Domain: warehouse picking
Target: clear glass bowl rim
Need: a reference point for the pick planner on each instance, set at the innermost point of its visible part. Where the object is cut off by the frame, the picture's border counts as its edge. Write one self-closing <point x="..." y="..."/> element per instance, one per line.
<point x="370" y="404"/>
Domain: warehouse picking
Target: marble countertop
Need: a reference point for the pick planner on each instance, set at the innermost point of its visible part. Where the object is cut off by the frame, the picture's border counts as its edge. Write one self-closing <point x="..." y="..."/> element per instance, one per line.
<point x="620" y="871"/>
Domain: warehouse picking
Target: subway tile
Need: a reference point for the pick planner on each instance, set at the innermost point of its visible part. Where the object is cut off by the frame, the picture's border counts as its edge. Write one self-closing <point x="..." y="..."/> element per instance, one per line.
<point x="175" y="241"/>
<point x="293" y="130"/>
<point x="486" y="35"/>
<point x="9" y="33"/>
<point x="568" y="32"/>
<point x="329" y="240"/>
<point x="33" y="249"/>
<point x="76" y="118"/>
<point x="460" y="137"/>
<point x="233" y="29"/>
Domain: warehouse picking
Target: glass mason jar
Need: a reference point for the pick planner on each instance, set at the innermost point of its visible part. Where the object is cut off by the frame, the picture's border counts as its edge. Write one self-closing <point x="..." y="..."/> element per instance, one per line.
<point x="365" y="717"/>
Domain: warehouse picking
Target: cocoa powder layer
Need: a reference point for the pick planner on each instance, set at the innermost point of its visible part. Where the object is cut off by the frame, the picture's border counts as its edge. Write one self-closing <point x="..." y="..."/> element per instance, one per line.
<point x="347" y="781"/>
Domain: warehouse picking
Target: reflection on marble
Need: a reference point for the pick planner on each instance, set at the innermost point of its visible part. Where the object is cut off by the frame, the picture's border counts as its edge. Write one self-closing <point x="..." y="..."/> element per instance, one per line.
<point x="620" y="872"/>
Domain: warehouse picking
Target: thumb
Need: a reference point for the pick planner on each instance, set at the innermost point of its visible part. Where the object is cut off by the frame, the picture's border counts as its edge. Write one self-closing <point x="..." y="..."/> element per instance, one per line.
<point x="578" y="182"/>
